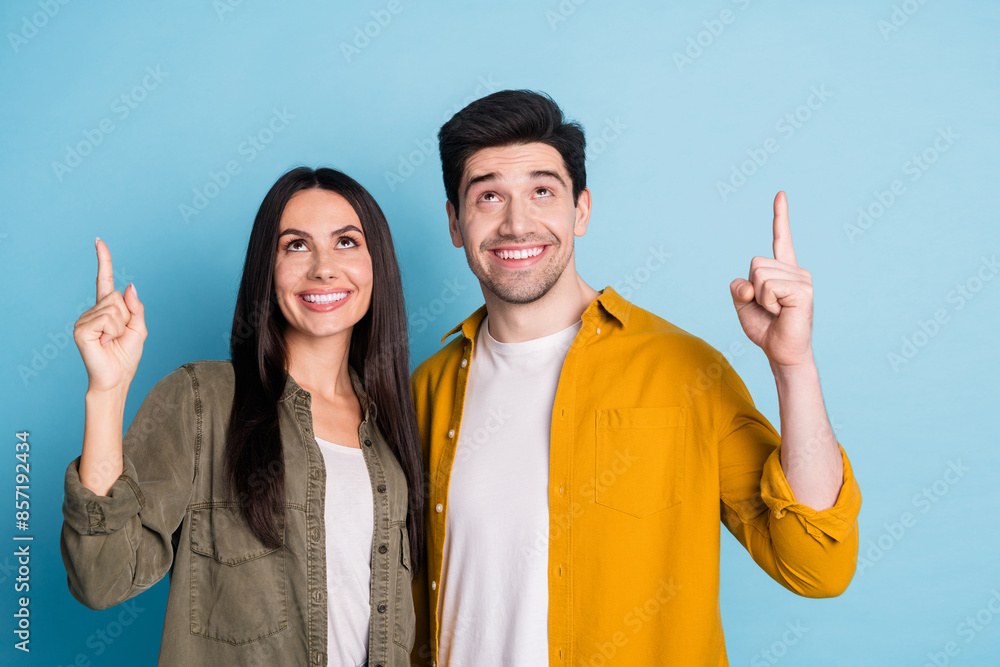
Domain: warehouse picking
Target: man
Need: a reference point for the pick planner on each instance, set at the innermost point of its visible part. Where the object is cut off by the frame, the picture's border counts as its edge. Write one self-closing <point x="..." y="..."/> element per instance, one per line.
<point x="582" y="451"/>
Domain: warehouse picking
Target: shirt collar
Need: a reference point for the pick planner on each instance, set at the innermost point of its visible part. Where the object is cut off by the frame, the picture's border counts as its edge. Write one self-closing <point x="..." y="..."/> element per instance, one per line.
<point x="608" y="301"/>
<point x="367" y="404"/>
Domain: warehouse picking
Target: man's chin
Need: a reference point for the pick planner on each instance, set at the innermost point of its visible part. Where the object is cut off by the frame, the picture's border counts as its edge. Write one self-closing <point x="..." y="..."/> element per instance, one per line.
<point x="518" y="294"/>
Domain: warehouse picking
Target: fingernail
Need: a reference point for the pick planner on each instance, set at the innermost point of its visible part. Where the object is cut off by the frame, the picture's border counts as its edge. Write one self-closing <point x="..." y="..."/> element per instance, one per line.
<point x="134" y="290"/>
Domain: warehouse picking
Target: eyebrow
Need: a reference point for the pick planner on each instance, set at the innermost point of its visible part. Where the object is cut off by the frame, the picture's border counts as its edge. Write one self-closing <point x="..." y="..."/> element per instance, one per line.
<point x="548" y="174"/>
<point x="492" y="176"/>
<point x="307" y="235"/>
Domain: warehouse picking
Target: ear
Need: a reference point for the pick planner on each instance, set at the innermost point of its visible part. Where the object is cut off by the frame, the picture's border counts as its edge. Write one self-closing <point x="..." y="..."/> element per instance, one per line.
<point x="453" y="228"/>
<point x="582" y="213"/>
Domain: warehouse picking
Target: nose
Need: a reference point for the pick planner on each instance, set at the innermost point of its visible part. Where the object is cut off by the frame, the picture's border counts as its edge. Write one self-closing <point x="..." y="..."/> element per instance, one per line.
<point x="517" y="220"/>
<point x="325" y="265"/>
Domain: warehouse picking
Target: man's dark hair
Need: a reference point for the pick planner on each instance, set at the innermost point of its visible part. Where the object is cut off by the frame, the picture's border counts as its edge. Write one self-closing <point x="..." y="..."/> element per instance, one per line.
<point x="506" y="118"/>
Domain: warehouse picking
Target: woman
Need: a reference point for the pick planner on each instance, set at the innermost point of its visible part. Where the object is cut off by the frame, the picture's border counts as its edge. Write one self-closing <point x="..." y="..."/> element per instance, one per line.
<point x="281" y="489"/>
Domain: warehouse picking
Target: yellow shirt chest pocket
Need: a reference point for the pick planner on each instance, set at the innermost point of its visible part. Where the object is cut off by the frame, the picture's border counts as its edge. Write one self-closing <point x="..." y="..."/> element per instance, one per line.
<point x="639" y="466"/>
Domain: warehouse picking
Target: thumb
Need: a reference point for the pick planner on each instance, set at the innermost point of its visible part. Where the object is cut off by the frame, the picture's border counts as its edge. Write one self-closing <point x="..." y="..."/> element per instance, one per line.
<point x="742" y="292"/>
<point x="138" y="321"/>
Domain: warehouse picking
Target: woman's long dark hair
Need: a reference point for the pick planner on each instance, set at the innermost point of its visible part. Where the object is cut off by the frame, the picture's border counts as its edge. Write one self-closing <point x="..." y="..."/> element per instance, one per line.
<point x="378" y="352"/>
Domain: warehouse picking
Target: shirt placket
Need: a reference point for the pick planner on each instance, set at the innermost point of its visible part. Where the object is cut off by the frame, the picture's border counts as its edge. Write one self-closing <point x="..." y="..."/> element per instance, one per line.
<point x="381" y="595"/>
<point x="442" y="461"/>
<point x="316" y="613"/>
<point x="561" y="498"/>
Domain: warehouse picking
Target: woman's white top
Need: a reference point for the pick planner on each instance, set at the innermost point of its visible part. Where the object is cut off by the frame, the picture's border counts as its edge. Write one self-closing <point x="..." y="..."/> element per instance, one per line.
<point x="350" y="524"/>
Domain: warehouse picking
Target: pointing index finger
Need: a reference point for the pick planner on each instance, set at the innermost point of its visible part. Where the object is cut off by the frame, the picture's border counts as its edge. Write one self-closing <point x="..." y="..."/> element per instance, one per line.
<point x="783" y="250"/>
<point x="105" y="276"/>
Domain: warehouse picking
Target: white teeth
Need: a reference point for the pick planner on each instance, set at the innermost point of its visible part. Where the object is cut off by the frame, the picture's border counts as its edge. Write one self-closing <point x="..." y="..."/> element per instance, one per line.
<point x="518" y="254"/>
<point x="324" y="298"/>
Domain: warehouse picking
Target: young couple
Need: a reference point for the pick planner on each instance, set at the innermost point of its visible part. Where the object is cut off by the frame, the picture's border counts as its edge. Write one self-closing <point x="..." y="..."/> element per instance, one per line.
<point x="550" y="496"/>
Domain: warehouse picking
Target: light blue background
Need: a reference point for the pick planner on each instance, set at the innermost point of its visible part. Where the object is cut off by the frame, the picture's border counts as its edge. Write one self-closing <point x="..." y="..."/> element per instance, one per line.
<point x="673" y="132"/>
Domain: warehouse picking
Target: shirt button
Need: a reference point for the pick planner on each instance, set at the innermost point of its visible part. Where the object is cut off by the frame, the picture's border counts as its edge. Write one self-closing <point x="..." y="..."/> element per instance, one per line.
<point x="598" y="331"/>
<point x="439" y="508"/>
<point x="382" y="608"/>
<point x="451" y="433"/>
<point x="434" y="585"/>
<point x="381" y="488"/>
<point x="560" y="489"/>
<point x="382" y="549"/>
<point x="368" y="443"/>
<point x="317" y="596"/>
<point x="465" y="362"/>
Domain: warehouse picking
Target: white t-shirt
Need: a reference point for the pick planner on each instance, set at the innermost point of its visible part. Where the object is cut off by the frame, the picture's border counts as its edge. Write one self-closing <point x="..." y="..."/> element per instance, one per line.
<point x="350" y="524"/>
<point x="494" y="600"/>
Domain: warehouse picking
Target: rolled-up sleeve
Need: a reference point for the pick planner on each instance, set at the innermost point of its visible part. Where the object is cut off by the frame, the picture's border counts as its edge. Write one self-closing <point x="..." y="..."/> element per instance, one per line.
<point x="118" y="545"/>
<point x="812" y="553"/>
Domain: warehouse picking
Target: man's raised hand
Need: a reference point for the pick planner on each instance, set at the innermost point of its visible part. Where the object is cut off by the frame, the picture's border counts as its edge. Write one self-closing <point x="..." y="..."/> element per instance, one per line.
<point x="775" y="303"/>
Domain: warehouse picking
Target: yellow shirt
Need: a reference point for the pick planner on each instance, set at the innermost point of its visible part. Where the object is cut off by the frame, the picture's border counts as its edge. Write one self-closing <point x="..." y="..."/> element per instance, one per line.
<point x="654" y="440"/>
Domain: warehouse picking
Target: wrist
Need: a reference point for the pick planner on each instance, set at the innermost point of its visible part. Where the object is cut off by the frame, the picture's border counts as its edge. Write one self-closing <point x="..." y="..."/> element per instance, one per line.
<point x="795" y="374"/>
<point x="107" y="398"/>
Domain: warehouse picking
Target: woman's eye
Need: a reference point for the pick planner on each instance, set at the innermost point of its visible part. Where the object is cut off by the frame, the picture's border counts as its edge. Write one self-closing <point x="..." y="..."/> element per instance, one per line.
<point x="346" y="242"/>
<point x="296" y="245"/>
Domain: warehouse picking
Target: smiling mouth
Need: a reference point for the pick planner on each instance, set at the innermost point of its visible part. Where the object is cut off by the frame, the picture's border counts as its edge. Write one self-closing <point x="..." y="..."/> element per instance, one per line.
<point x="520" y="253"/>
<point x="324" y="298"/>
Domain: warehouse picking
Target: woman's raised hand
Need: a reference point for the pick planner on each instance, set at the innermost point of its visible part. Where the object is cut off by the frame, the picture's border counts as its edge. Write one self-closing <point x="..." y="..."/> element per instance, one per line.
<point x="110" y="335"/>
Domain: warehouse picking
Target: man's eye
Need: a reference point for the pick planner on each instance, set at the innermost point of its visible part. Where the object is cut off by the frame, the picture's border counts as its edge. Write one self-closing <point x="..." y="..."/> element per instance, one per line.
<point x="488" y="196"/>
<point x="544" y="192"/>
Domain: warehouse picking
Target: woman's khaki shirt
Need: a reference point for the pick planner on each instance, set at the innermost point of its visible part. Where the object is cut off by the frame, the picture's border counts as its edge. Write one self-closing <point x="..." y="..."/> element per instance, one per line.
<point x="233" y="601"/>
